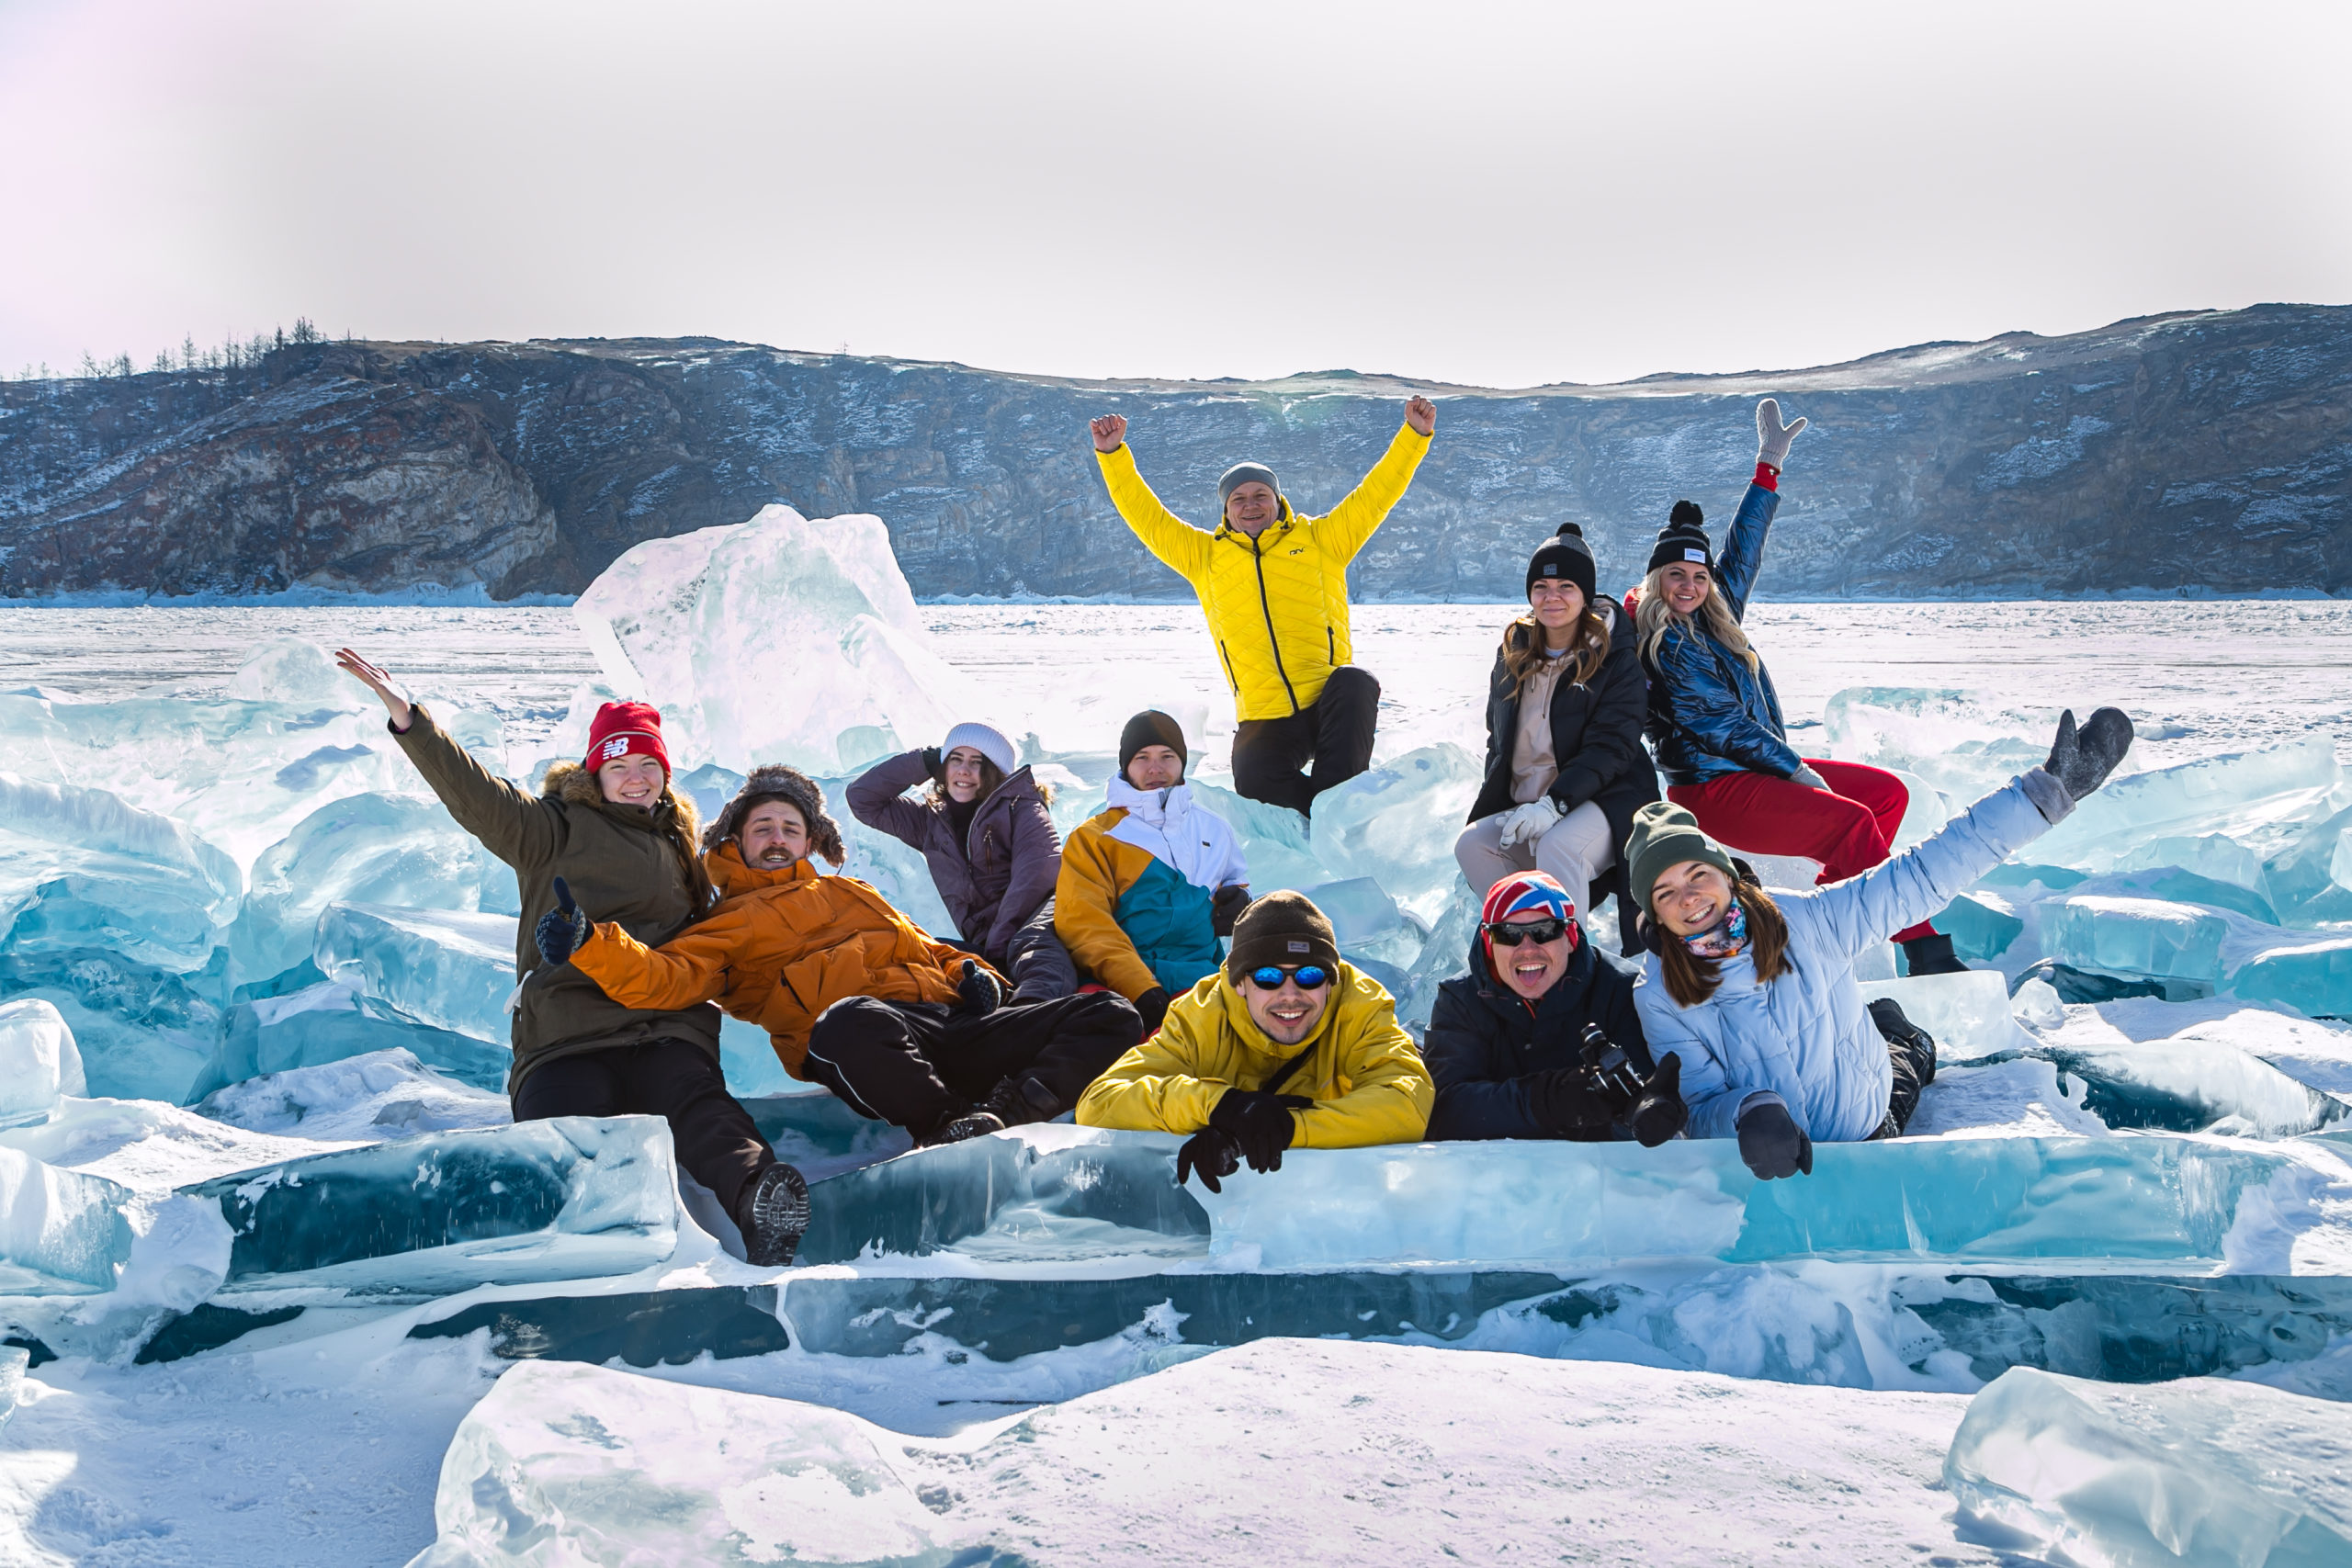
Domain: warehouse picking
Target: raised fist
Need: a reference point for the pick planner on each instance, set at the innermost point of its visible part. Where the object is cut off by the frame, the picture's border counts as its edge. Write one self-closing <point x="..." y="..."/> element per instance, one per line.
<point x="1110" y="432"/>
<point x="1420" y="412"/>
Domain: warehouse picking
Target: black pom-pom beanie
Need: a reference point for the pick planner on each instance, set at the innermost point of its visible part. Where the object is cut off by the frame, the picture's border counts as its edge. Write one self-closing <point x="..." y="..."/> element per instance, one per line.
<point x="1684" y="539"/>
<point x="1564" y="557"/>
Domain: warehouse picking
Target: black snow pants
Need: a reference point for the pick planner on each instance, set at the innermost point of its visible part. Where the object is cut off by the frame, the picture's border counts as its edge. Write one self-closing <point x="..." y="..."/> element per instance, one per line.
<point x="1334" y="732"/>
<point x="1912" y="1052"/>
<point x="715" y="1141"/>
<point x="921" y="1064"/>
<point x="1034" y="959"/>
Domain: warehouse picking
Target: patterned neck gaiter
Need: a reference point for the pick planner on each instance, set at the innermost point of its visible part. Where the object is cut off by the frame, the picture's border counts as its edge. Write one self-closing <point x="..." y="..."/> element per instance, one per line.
<point x="1726" y="940"/>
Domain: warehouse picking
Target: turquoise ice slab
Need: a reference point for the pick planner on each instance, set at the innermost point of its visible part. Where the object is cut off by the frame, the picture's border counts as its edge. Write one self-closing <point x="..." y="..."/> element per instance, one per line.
<point x="61" y="1232"/>
<point x="1057" y="1195"/>
<point x="572" y="1197"/>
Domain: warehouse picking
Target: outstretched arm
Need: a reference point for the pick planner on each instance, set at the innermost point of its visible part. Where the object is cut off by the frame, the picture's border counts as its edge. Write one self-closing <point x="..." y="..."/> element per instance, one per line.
<point x="1743" y="553"/>
<point x="1183" y="548"/>
<point x="518" y="829"/>
<point x="690" y="969"/>
<point x="1155" y="1087"/>
<point x="1351" y="522"/>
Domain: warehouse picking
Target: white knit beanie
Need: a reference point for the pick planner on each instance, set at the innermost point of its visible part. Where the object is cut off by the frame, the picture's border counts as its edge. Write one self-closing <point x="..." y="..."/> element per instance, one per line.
<point x="987" y="740"/>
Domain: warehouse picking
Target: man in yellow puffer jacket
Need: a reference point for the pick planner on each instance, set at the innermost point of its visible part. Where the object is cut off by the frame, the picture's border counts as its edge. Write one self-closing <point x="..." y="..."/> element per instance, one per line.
<point x="1288" y="1046"/>
<point x="1273" y="586"/>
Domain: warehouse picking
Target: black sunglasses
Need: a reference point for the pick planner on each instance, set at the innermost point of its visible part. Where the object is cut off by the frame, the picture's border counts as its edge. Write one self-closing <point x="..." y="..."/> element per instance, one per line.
<point x="1511" y="933"/>
<point x="1310" y="977"/>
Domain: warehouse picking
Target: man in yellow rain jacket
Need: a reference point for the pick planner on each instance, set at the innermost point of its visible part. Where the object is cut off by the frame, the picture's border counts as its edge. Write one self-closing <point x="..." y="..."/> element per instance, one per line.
<point x="1286" y="1047"/>
<point x="1273" y="586"/>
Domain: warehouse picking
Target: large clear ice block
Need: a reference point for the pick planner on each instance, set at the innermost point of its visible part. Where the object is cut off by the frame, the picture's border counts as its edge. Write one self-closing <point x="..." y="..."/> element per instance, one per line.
<point x="566" y="1198"/>
<point x="38" y="1061"/>
<point x="61" y="1232"/>
<point x="450" y="970"/>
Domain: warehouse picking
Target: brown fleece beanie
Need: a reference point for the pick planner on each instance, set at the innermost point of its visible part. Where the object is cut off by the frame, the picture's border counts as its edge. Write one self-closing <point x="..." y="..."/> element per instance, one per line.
<point x="1283" y="928"/>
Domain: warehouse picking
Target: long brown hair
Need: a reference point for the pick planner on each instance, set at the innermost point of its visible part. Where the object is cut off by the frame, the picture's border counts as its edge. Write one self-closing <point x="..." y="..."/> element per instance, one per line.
<point x="1656" y="617"/>
<point x="1523" y="647"/>
<point x="1691" y="979"/>
<point x="991" y="780"/>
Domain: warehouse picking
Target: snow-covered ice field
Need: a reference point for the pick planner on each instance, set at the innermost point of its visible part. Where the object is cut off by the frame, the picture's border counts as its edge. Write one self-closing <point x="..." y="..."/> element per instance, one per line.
<point x="2126" y="1204"/>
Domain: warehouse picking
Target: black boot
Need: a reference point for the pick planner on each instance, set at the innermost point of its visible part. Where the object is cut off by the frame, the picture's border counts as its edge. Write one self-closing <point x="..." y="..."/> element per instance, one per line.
<point x="1019" y="1101"/>
<point x="773" y="1214"/>
<point x="1932" y="955"/>
<point x="974" y="1124"/>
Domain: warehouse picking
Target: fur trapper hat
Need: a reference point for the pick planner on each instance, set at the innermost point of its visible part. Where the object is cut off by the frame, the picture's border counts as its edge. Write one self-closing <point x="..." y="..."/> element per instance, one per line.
<point x="776" y="782"/>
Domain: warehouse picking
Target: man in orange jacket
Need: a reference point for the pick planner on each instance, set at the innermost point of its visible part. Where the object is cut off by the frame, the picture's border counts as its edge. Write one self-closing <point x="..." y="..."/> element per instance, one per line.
<point x="853" y="994"/>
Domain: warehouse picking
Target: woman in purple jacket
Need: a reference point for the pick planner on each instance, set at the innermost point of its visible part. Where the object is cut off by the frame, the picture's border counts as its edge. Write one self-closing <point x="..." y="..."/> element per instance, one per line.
<point x="984" y="831"/>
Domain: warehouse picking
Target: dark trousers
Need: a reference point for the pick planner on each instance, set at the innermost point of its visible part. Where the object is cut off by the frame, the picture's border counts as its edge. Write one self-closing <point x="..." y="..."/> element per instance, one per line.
<point x="1914" y="1069"/>
<point x="921" y="1064"/>
<point x="678" y="1081"/>
<point x="1334" y="732"/>
<point x="1036" y="963"/>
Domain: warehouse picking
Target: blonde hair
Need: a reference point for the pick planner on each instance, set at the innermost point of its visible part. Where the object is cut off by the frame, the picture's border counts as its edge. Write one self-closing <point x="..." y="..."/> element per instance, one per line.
<point x="1523" y="654"/>
<point x="1656" y="617"/>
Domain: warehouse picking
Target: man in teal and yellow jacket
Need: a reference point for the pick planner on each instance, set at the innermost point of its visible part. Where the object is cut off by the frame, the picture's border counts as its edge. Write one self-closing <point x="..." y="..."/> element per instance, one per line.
<point x="1273" y="586"/>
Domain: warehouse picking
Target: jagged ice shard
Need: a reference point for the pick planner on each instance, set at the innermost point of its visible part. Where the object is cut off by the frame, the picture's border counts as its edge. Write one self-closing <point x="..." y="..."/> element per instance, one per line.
<point x="567" y="1197"/>
<point x="776" y="639"/>
<point x="38" y="1061"/>
<point x="61" y="1232"/>
<point x="450" y="970"/>
<point x="2191" y="1472"/>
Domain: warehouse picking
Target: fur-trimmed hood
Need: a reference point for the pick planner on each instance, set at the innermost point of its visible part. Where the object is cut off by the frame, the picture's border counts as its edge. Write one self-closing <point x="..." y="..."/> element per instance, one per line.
<point x="575" y="785"/>
<point x="774" y="781"/>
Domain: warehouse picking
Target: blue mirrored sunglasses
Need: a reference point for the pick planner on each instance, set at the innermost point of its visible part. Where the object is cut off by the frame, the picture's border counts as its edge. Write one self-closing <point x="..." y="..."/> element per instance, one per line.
<point x="1310" y="977"/>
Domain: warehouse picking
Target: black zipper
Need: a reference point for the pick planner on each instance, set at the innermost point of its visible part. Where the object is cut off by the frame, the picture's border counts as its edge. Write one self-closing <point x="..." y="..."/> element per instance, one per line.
<point x="1332" y="643"/>
<point x="1266" y="607"/>
<point x="1226" y="654"/>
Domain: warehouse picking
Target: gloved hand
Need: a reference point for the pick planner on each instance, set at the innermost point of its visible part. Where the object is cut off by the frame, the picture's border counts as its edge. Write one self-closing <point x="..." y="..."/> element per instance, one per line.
<point x="1772" y="438"/>
<point x="1566" y="1103"/>
<point x="2081" y="760"/>
<point x="1225" y="907"/>
<point x="562" y="929"/>
<point x="1660" y="1113"/>
<point x="935" y="765"/>
<point x="1153" y="1006"/>
<point x="980" y="993"/>
<point x="1213" y="1152"/>
<point x="1260" y="1122"/>
<point x="1807" y="777"/>
<point x="1527" y="823"/>
<point x="1771" y="1144"/>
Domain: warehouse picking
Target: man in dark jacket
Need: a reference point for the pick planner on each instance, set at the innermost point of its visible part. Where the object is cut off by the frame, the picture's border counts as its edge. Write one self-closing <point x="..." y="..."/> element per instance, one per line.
<point x="1507" y="1041"/>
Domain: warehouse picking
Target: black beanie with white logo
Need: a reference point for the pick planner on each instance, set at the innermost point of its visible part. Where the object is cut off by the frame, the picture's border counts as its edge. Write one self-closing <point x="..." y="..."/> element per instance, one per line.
<point x="1564" y="558"/>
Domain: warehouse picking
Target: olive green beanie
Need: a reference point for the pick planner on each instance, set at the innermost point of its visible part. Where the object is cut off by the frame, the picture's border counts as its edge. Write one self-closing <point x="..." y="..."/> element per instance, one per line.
<point x="1665" y="835"/>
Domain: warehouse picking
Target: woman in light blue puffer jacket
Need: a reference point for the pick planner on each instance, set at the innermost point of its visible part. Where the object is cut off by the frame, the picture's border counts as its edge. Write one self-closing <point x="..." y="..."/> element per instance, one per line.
<point x="1757" y="994"/>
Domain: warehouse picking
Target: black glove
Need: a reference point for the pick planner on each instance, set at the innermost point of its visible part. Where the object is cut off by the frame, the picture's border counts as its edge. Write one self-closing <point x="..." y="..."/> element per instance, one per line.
<point x="1153" y="1006"/>
<point x="934" y="765"/>
<point x="1660" y="1113"/>
<point x="1213" y="1152"/>
<point x="1771" y="1144"/>
<point x="2082" y="759"/>
<point x="562" y="929"/>
<point x="978" y="989"/>
<point x="1260" y="1122"/>
<point x="1566" y="1104"/>
<point x="1226" y="908"/>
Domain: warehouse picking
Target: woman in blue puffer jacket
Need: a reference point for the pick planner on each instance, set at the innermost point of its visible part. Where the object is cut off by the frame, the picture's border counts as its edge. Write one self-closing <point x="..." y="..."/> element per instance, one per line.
<point x="1757" y="995"/>
<point x="1714" y="720"/>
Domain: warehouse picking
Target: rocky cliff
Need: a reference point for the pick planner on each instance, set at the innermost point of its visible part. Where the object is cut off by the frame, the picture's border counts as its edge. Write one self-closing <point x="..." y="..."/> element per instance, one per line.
<point x="2203" y="451"/>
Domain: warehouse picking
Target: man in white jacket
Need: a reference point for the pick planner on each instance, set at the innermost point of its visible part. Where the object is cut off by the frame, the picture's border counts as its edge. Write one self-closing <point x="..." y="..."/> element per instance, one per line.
<point x="1150" y="884"/>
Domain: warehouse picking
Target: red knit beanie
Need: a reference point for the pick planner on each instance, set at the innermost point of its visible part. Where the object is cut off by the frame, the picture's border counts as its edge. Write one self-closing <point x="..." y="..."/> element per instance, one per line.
<point x="626" y="729"/>
<point x="1517" y="894"/>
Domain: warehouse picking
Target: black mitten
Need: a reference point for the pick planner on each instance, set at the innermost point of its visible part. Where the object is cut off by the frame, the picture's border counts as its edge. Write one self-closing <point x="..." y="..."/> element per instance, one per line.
<point x="1153" y="1007"/>
<point x="2081" y="760"/>
<point x="562" y="929"/>
<point x="1226" y="908"/>
<point x="1773" y="1144"/>
<point x="1660" y="1114"/>
<point x="1566" y="1104"/>
<point x="1260" y="1122"/>
<point x="1213" y="1152"/>
<point x="935" y="765"/>
<point x="978" y="989"/>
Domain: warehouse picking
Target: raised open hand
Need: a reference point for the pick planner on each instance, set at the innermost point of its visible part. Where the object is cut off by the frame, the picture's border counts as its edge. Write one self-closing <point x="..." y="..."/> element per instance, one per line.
<point x="1421" y="415"/>
<point x="1110" y="432"/>
<point x="377" y="680"/>
<point x="1772" y="438"/>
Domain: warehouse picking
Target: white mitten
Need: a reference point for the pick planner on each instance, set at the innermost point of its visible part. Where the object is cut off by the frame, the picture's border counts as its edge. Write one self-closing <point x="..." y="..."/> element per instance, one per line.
<point x="1530" y="822"/>
<point x="1772" y="438"/>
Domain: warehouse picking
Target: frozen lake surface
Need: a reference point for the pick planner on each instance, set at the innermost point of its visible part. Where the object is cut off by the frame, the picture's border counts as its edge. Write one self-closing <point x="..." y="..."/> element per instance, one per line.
<point x="2200" y="677"/>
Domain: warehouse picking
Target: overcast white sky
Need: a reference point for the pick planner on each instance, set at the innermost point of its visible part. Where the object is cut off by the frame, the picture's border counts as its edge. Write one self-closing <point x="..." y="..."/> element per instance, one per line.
<point x="1494" y="194"/>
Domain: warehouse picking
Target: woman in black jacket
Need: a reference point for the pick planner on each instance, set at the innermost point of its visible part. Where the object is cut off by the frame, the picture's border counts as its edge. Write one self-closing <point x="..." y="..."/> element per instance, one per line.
<point x="1565" y="769"/>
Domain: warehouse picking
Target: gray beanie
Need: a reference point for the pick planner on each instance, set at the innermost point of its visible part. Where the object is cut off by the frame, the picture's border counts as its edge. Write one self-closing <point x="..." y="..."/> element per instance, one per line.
<point x="1245" y="473"/>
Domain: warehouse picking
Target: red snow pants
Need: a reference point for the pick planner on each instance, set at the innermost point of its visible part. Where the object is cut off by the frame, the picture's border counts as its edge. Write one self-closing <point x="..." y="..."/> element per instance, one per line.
<point x="1848" y="830"/>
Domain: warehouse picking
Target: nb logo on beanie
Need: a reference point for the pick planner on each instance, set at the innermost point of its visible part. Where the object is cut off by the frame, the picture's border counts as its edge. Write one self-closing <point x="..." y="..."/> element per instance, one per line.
<point x="616" y="746"/>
